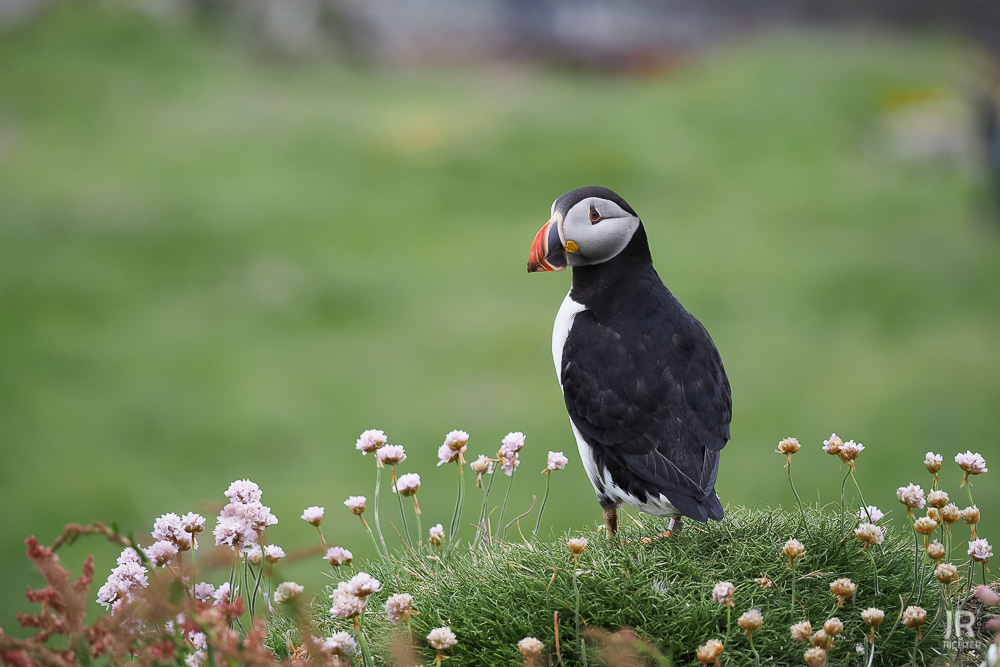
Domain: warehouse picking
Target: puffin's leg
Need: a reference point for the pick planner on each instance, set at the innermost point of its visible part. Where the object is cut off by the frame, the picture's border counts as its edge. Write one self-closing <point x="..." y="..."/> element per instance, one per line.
<point x="675" y="526"/>
<point x="611" y="520"/>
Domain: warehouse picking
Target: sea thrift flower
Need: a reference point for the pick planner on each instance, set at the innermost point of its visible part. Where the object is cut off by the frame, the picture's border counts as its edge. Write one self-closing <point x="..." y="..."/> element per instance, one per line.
<point x="971" y="516"/>
<point x="509" y="461"/>
<point x="833" y="627"/>
<point x="193" y="523"/>
<point x="530" y="647"/>
<point x="128" y="577"/>
<point x="751" y="621"/>
<point x="577" y="545"/>
<point x="934" y="514"/>
<point x="788" y="446"/>
<point x="764" y="582"/>
<point x="914" y="617"/>
<point x="870" y="534"/>
<point x="391" y="454"/>
<point x="793" y="549"/>
<point x="946" y="573"/>
<point x="802" y="631"/>
<point x="399" y="607"/>
<point x="447" y="455"/>
<point x="815" y="657"/>
<point x="821" y="639"/>
<point x="242" y="522"/>
<point x="935" y="550"/>
<point x="441" y="638"/>
<point x="972" y="464"/>
<point x="272" y="553"/>
<point x="937" y="499"/>
<point x="287" y="592"/>
<point x="345" y="603"/>
<point x="556" y="461"/>
<point x="313" y="515"/>
<point x="357" y="504"/>
<point x="850" y="451"/>
<point x="513" y="441"/>
<point x="204" y="591"/>
<point x="933" y="462"/>
<point x="254" y="554"/>
<point x="243" y="491"/>
<point x="980" y="551"/>
<point x="925" y="525"/>
<point x="950" y="513"/>
<point x="709" y="651"/>
<point x="453" y="449"/>
<point x="168" y="528"/>
<point x="843" y="589"/>
<point x="436" y="535"/>
<point x="407" y="484"/>
<point x="363" y="584"/>
<point x="912" y="496"/>
<point x="872" y="617"/>
<point x="338" y="556"/>
<point x="221" y="594"/>
<point x="481" y="466"/>
<point x="340" y="644"/>
<point x="371" y="441"/>
<point x="870" y="513"/>
<point x="160" y="553"/>
<point x="723" y="593"/>
<point x="833" y="445"/>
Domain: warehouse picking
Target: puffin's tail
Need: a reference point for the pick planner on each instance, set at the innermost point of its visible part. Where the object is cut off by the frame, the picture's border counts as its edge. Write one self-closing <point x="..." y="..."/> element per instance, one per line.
<point x="700" y="510"/>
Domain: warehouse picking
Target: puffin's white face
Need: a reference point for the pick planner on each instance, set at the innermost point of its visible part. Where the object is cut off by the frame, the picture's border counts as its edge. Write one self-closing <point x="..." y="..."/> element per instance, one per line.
<point x="582" y="231"/>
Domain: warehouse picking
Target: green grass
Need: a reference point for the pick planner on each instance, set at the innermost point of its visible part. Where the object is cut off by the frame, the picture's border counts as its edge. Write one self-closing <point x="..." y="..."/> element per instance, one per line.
<point x="214" y="266"/>
<point x="493" y="598"/>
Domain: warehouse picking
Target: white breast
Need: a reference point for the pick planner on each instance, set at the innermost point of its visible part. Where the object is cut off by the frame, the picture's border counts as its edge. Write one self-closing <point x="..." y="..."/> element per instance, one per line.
<point x="564" y="322"/>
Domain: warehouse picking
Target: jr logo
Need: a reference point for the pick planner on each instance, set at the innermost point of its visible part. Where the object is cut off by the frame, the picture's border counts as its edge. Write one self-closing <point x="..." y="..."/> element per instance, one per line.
<point x="962" y="622"/>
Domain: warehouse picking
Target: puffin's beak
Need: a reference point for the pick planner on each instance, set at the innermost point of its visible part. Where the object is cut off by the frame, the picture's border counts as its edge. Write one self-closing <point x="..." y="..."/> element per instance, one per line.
<point x="547" y="252"/>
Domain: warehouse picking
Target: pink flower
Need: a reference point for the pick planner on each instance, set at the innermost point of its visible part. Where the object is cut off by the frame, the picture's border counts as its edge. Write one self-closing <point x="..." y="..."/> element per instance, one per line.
<point x="911" y="495"/>
<point x="160" y="553"/>
<point x="363" y="584"/>
<point x="441" y="638"/>
<point x="168" y="527"/>
<point x="313" y="515"/>
<point x="193" y="523"/>
<point x="345" y="603"/>
<point x="243" y="491"/>
<point x="204" y="591"/>
<point x="340" y="644"/>
<point x="513" y="441"/>
<point x="980" y="550"/>
<point x="436" y="534"/>
<point x="221" y="594"/>
<point x="254" y="554"/>
<point x="933" y="462"/>
<point x="723" y="592"/>
<point x="833" y="445"/>
<point x="407" y="484"/>
<point x="872" y="511"/>
<point x="338" y="556"/>
<point x="556" y="461"/>
<point x="370" y="441"/>
<point x="399" y="607"/>
<point x="972" y="464"/>
<point x="391" y="454"/>
<point x="356" y="503"/>
<point x="446" y="454"/>
<point x="272" y="553"/>
<point x="457" y="440"/>
<point x="287" y="591"/>
<point x="125" y="579"/>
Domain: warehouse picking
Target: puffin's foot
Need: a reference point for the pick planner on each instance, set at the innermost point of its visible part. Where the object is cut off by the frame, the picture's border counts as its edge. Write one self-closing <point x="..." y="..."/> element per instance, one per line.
<point x="611" y="520"/>
<point x="675" y="526"/>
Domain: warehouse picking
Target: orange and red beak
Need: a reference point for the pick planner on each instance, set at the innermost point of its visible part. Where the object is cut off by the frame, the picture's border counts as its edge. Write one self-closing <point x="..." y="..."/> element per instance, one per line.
<point x="547" y="251"/>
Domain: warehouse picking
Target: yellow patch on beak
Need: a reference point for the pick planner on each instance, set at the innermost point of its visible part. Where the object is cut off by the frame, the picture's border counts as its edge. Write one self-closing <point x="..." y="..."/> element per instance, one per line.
<point x="571" y="246"/>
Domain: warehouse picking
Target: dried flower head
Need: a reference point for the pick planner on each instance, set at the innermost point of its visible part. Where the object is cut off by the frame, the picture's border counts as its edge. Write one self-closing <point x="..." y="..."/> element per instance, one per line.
<point x="577" y="544"/>
<point x="914" y="616"/>
<point x="390" y="455"/>
<point x="442" y="638"/>
<point x="933" y="462"/>
<point x="850" y="450"/>
<point x="338" y="556"/>
<point x="821" y="639"/>
<point x="870" y="534"/>
<point x="530" y="647"/>
<point x="287" y="592"/>
<point x="935" y="550"/>
<point x="934" y="514"/>
<point x="751" y="621"/>
<point x="971" y="515"/>
<point x="950" y="513"/>
<point x="925" y="525"/>
<point x="764" y="582"/>
<point x="844" y="589"/>
<point x="972" y="464"/>
<point x="833" y="626"/>
<point x="436" y="535"/>
<point x="815" y="657"/>
<point x="482" y="465"/>
<point x="723" y="592"/>
<point x="793" y="549"/>
<point x="833" y="444"/>
<point x="709" y="651"/>
<point x="357" y="504"/>
<point x="911" y="495"/>
<point x="313" y="515"/>
<point x="407" y="484"/>
<point x="371" y="441"/>
<point x="937" y="498"/>
<point x="870" y="513"/>
<point x="873" y="617"/>
<point x="788" y="446"/>
<point x="399" y="607"/>
<point x="980" y="551"/>
<point x="946" y="573"/>
<point x="802" y="631"/>
<point x="556" y="461"/>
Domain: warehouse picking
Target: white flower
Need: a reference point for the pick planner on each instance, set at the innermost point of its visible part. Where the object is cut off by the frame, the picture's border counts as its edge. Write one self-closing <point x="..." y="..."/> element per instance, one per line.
<point x="556" y="461"/>
<point x="513" y="441"/>
<point x="980" y="550"/>
<point x="407" y="484"/>
<point x="972" y="464"/>
<point x="196" y="659"/>
<point x="370" y="441"/>
<point x="788" y="446"/>
<point x="850" y="450"/>
<point x="338" y="556"/>
<point x="457" y="440"/>
<point x="160" y="553"/>
<point x="272" y="552"/>
<point x="169" y="528"/>
<point x="482" y="466"/>
<point x="933" y="462"/>
<point x="911" y="495"/>
<point x="577" y="544"/>
<point x="723" y="592"/>
<point x="833" y="445"/>
<point x="129" y="555"/>
<point x="442" y="638"/>
<point x="363" y="584"/>
<point x="872" y="514"/>
<point x="340" y="644"/>
<point x="869" y="533"/>
<point x="286" y="592"/>
<point x="204" y="591"/>
<point x="345" y="603"/>
<point x="313" y="515"/>
<point x="436" y="534"/>
<point x="243" y="491"/>
<point x="446" y="454"/>
<point x="241" y="524"/>
<point x="198" y="640"/>
<point x="391" y="454"/>
<point x="530" y="647"/>
<point x="221" y="594"/>
<point x="128" y="577"/>
<point x="399" y="607"/>
<point x="356" y="503"/>
<point x="193" y="523"/>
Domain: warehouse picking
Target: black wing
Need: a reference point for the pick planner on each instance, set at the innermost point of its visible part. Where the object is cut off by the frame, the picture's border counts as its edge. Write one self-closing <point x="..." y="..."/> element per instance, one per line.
<point x="653" y="404"/>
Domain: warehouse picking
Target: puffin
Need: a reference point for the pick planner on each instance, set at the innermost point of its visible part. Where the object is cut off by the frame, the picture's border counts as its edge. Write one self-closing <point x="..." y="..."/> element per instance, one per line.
<point x="648" y="399"/>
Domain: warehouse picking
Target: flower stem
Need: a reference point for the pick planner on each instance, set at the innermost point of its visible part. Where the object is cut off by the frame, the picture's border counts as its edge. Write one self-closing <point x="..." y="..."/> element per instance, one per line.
<point x="503" y="508"/>
<point x="402" y="512"/>
<point x="802" y="513"/>
<point x="875" y="568"/>
<point x="365" y="653"/>
<point x="456" y="518"/>
<point x="538" y="523"/>
<point x="378" y="526"/>
<point x="579" y="637"/>
<point x="483" y="513"/>
<point x="420" y="528"/>
<point x="843" y="491"/>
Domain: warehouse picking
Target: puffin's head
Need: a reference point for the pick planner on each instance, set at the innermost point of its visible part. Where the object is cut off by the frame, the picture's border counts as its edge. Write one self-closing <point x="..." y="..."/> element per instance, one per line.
<point x="588" y="226"/>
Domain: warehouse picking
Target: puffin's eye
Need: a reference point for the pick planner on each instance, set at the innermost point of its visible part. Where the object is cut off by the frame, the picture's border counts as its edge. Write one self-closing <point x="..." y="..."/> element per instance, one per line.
<point x="594" y="215"/>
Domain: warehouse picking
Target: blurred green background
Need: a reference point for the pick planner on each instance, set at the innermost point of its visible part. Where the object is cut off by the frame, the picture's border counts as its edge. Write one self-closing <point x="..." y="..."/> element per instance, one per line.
<point x="217" y="264"/>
